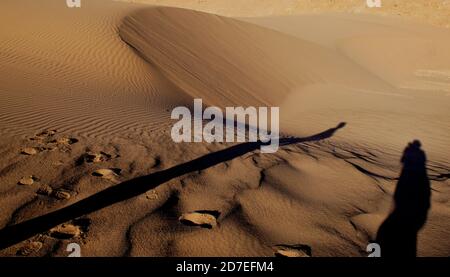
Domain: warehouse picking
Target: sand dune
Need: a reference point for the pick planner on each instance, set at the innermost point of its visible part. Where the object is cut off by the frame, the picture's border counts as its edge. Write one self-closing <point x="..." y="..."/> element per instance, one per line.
<point x="92" y="83"/>
<point x="409" y="57"/>
<point x="239" y="63"/>
<point x="87" y="156"/>
<point x="309" y="74"/>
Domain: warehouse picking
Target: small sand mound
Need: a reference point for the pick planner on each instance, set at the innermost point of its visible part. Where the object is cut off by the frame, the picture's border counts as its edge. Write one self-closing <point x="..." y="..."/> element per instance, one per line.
<point x="28" y="180"/>
<point x="30" y="248"/>
<point x="29" y="151"/>
<point x="65" y="231"/>
<point x="151" y="195"/>
<point x="108" y="173"/>
<point x="62" y="195"/>
<point x="204" y="219"/>
<point x="293" y="251"/>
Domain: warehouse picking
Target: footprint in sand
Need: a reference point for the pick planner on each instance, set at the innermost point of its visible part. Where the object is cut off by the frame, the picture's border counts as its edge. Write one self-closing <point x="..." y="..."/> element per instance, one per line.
<point x="204" y="219"/>
<point x="43" y="135"/>
<point x="90" y="157"/>
<point x="151" y="195"/>
<point x="45" y="138"/>
<point x="292" y="251"/>
<point x="30" y="151"/>
<point x="46" y="133"/>
<point x="65" y="141"/>
<point x="108" y="173"/>
<point x="74" y="229"/>
<point x="45" y="190"/>
<point x="30" y="248"/>
<point x="65" y="231"/>
<point x="42" y="139"/>
<point x="28" y="180"/>
<point x="62" y="194"/>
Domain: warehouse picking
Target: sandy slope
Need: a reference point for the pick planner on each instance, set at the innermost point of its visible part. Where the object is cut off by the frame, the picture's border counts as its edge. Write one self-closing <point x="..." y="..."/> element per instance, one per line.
<point x="239" y="63"/>
<point x="74" y="60"/>
<point x="410" y="57"/>
<point x="106" y="77"/>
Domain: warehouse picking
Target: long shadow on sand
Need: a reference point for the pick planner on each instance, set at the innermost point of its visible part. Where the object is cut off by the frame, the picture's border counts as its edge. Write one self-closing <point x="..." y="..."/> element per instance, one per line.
<point x="397" y="235"/>
<point x="14" y="234"/>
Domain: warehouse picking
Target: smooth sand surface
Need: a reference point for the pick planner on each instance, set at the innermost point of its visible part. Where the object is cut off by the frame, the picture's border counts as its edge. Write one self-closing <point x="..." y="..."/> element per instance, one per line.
<point x="86" y="152"/>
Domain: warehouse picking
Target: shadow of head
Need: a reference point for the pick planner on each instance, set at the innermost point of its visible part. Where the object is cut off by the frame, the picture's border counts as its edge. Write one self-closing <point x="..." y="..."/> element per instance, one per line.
<point x="414" y="156"/>
<point x="341" y="125"/>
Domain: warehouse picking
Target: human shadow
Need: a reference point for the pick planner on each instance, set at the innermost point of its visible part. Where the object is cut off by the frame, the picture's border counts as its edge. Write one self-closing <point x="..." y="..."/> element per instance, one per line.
<point x="13" y="234"/>
<point x="323" y="135"/>
<point x="397" y="235"/>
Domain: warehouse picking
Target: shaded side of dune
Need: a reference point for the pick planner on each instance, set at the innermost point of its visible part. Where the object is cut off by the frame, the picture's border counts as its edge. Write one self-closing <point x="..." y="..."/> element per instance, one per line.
<point x="228" y="62"/>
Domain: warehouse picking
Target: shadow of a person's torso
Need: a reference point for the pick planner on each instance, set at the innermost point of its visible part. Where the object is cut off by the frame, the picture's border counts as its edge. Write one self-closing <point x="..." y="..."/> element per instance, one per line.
<point x="397" y="235"/>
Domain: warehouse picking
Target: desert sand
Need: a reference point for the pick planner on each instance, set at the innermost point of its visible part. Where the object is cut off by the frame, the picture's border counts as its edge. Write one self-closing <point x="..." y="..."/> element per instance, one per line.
<point x="86" y="152"/>
<point x="434" y="12"/>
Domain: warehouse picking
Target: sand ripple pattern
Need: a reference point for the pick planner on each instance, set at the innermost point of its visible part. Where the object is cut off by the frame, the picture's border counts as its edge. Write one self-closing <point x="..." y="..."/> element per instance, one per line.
<point x="68" y="69"/>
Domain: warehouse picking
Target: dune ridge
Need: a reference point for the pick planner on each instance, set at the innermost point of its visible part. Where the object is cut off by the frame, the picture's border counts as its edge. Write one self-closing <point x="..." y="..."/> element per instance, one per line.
<point x="232" y="62"/>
